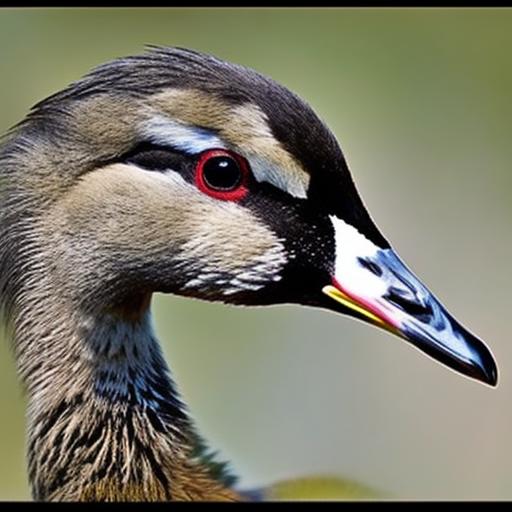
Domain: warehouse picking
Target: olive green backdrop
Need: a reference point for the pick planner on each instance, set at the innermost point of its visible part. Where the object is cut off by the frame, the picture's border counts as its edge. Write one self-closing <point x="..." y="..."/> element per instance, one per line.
<point x="421" y="101"/>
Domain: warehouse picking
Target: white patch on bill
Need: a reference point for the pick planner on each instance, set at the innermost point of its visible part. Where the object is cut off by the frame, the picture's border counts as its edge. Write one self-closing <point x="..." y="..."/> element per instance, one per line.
<point x="348" y="271"/>
<point x="369" y="289"/>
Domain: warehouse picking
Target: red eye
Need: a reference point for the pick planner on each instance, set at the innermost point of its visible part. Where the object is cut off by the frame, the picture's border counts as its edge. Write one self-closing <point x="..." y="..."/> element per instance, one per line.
<point x="222" y="174"/>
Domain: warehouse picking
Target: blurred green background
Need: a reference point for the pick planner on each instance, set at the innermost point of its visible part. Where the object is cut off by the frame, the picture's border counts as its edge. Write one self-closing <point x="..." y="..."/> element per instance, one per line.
<point x="421" y="101"/>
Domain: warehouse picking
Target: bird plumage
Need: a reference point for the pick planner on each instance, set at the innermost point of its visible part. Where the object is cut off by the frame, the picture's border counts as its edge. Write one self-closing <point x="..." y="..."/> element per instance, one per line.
<point x="98" y="379"/>
<point x="171" y="171"/>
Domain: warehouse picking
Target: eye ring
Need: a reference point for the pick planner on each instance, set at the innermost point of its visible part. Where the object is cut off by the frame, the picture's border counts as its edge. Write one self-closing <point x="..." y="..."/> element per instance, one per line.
<point x="222" y="174"/>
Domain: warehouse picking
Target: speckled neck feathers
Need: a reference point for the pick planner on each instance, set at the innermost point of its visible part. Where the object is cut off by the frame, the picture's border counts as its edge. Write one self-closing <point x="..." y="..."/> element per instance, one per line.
<point x="110" y="426"/>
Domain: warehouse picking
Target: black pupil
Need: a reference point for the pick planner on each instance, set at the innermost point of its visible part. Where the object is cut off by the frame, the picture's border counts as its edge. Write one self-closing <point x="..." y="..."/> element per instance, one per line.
<point x="222" y="173"/>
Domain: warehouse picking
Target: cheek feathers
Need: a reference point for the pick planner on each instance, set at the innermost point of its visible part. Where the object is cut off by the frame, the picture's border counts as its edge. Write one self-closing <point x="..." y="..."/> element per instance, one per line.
<point x="207" y="246"/>
<point x="228" y="249"/>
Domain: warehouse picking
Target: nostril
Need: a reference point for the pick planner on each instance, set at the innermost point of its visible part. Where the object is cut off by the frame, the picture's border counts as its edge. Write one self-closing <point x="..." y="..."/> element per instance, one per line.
<point x="370" y="265"/>
<point x="410" y="304"/>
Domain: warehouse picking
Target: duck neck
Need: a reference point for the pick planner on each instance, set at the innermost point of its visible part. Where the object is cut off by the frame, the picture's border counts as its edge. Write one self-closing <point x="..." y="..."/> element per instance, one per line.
<point x="105" y="420"/>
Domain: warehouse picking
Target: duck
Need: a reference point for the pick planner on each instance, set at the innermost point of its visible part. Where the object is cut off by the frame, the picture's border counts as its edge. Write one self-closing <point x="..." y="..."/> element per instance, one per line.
<point x="177" y="172"/>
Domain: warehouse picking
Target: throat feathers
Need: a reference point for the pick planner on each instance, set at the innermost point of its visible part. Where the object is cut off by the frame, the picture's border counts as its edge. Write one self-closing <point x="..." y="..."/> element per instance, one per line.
<point x="113" y="428"/>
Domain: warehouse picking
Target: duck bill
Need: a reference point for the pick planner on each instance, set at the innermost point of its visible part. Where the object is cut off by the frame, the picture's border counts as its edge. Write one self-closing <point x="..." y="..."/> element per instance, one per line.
<point x="376" y="286"/>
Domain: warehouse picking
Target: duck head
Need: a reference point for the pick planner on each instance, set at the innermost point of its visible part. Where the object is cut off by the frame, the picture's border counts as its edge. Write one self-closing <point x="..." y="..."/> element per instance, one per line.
<point x="175" y="171"/>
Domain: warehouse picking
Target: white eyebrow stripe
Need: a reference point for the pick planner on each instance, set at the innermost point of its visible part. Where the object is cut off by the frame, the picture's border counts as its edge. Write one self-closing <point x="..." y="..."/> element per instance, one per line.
<point x="264" y="171"/>
<point x="191" y="139"/>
